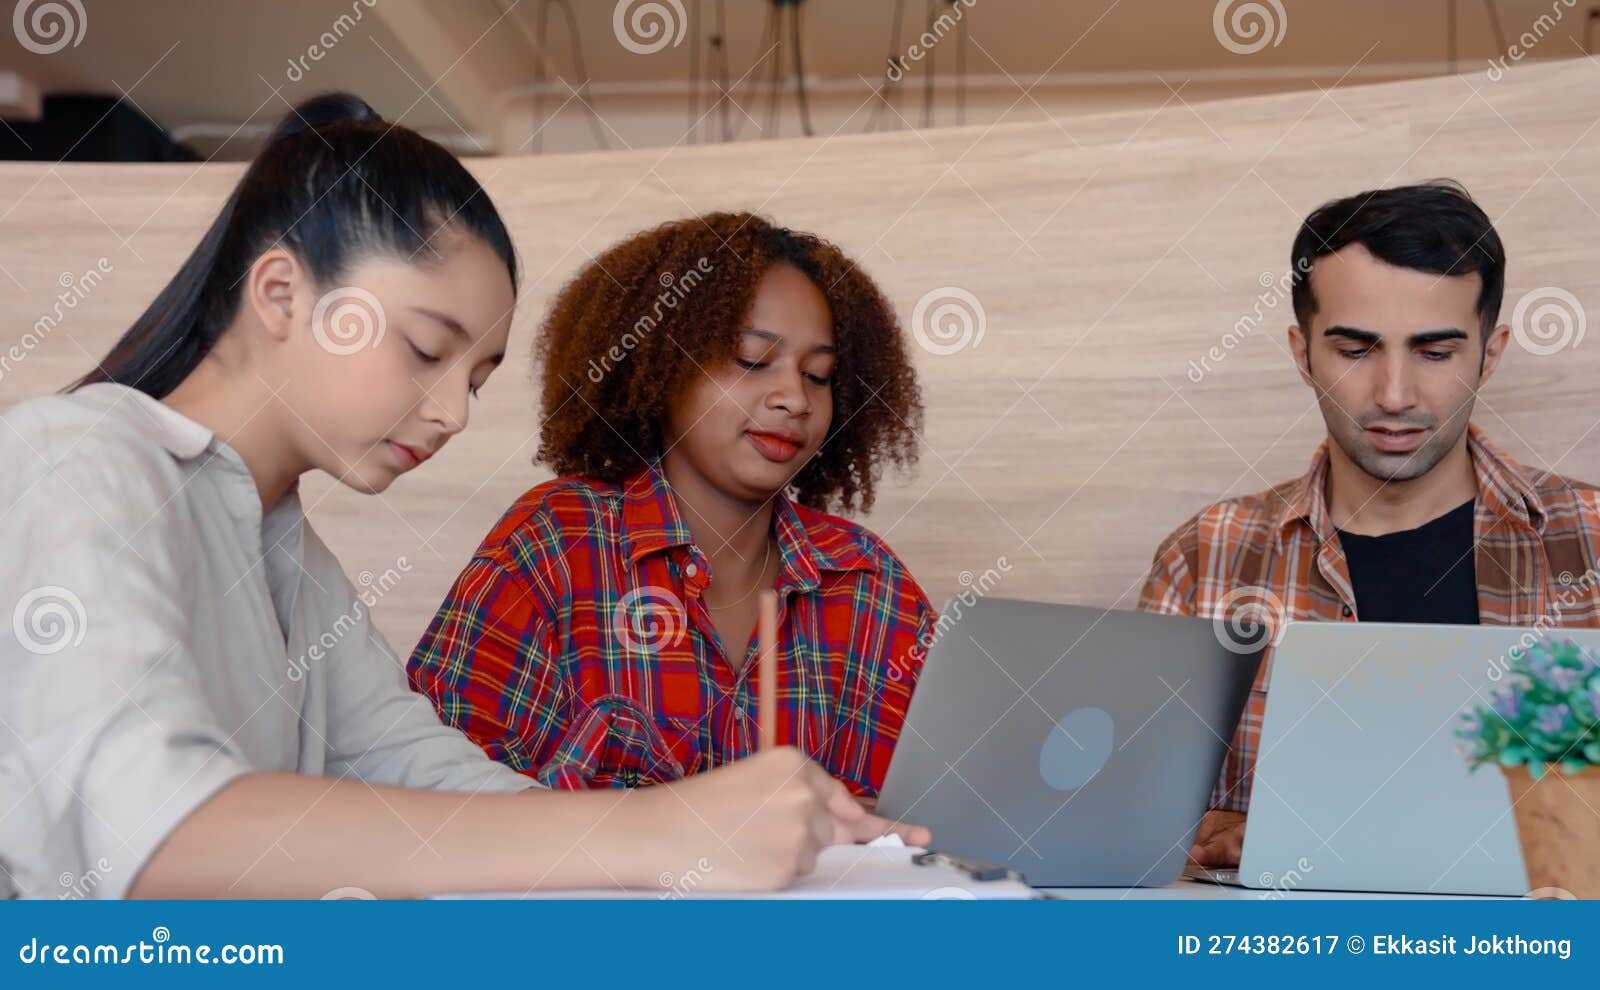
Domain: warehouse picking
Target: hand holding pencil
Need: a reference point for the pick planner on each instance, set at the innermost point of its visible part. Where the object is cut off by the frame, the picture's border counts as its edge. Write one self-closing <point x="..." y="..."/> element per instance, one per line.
<point x="852" y="822"/>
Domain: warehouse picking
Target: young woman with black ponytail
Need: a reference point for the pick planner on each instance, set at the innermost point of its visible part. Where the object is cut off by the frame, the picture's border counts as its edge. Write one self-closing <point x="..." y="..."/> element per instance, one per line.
<point x="177" y="724"/>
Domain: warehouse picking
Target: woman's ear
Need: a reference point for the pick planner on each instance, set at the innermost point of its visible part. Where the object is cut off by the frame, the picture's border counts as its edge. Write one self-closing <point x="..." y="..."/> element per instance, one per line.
<point x="270" y="289"/>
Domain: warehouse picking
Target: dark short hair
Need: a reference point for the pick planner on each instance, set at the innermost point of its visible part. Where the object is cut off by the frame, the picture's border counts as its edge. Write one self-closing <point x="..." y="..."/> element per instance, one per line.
<point x="1431" y="227"/>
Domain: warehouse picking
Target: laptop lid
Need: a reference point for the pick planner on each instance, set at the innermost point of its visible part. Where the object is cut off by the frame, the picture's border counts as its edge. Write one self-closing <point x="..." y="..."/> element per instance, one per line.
<point x="1077" y="745"/>
<point x="1358" y="782"/>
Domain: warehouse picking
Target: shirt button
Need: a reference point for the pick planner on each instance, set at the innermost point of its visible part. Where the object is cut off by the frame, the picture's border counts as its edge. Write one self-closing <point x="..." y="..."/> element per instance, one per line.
<point x="739" y="711"/>
<point x="1348" y="612"/>
<point x="691" y="570"/>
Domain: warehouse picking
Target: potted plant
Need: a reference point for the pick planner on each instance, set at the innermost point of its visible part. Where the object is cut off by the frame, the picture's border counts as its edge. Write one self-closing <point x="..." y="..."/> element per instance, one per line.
<point x="1542" y="728"/>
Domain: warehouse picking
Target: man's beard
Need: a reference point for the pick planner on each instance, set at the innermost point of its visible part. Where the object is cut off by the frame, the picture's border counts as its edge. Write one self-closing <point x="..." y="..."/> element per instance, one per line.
<point x="1351" y="436"/>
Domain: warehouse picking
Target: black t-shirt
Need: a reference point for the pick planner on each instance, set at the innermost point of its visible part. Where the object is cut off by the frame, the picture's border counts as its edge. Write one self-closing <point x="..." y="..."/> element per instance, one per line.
<point x="1418" y="575"/>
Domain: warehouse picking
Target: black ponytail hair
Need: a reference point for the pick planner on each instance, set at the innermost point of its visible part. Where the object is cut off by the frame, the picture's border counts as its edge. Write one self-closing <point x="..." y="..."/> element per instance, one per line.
<point x="334" y="182"/>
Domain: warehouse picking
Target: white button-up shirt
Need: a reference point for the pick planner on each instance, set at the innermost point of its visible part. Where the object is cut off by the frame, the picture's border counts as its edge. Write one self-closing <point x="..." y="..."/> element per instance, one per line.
<point x="159" y="638"/>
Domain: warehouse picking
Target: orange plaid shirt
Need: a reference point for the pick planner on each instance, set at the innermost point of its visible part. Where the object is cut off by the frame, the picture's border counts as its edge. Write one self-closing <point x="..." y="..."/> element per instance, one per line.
<point x="1536" y="540"/>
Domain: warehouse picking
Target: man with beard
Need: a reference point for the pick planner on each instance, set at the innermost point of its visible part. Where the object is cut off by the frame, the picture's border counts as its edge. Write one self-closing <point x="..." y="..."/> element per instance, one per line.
<point x="1408" y="512"/>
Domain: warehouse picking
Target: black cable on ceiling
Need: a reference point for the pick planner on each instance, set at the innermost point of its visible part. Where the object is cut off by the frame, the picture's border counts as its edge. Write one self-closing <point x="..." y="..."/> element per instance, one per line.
<point x="541" y="41"/>
<point x="766" y="48"/>
<point x="585" y="97"/>
<point x="694" y="73"/>
<point x="775" y="72"/>
<point x="1450" y="35"/>
<point x="1493" y="10"/>
<point x="961" y="63"/>
<point x="889" y="86"/>
<point x="933" y="69"/>
<point x="719" y="47"/>
<point x="797" y="33"/>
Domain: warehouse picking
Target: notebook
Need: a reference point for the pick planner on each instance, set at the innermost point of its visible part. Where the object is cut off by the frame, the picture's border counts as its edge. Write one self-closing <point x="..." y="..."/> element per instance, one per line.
<point x="882" y="870"/>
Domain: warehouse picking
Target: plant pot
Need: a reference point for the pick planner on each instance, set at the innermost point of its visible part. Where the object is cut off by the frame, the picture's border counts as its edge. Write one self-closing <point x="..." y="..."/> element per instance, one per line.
<point x="1558" y="826"/>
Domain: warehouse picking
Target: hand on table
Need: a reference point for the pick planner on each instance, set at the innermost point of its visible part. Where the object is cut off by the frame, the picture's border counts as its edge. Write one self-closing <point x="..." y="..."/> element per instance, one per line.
<point x="1220" y="841"/>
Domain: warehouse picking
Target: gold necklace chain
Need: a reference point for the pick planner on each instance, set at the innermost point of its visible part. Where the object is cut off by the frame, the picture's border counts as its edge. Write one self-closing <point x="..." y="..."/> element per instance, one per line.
<point x="765" y="560"/>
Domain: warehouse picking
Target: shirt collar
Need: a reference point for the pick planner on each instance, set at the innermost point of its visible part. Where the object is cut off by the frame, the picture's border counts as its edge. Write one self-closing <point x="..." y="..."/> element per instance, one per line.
<point x="186" y="440"/>
<point x="179" y="435"/>
<point x="809" y="542"/>
<point x="1504" y="490"/>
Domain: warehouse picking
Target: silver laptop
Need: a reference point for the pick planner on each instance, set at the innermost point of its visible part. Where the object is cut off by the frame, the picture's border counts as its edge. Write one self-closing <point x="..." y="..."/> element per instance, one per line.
<point x="1076" y="745"/>
<point x="1358" y="782"/>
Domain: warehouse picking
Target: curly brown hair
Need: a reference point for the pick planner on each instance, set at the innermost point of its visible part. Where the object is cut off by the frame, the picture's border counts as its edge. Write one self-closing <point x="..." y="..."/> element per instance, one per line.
<point x="637" y="324"/>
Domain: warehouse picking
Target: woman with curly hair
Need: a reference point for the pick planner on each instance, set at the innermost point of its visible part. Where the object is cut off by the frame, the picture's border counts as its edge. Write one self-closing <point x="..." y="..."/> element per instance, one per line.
<point x="711" y="389"/>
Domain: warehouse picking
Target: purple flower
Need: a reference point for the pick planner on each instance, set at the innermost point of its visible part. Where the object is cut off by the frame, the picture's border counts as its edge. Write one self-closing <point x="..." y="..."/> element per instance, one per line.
<point x="1586" y="662"/>
<point x="1563" y="678"/>
<point x="1554" y="719"/>
<point x="1507" y="701"/>
<point x="1540" y="660"/>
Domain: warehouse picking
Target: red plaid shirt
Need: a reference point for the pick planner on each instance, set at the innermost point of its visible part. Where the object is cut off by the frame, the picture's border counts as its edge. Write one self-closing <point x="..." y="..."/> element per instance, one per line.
<point x="1536" y="540"/>
<point x="576" y="647"/>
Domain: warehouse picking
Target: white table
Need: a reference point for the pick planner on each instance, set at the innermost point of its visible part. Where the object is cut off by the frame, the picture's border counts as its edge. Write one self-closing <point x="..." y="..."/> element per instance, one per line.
<point x="1195" y="890"/>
